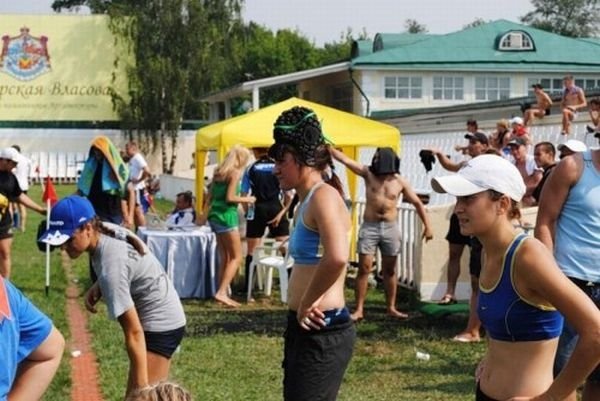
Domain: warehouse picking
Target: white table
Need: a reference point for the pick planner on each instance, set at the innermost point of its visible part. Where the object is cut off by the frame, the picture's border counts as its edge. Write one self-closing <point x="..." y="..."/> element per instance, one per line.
<point x="189" y="257"/>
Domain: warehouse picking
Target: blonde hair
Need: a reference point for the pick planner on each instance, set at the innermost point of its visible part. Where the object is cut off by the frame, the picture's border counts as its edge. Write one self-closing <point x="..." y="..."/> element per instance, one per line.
<point x="236" y="159"/>
<point x="161" y="391"/>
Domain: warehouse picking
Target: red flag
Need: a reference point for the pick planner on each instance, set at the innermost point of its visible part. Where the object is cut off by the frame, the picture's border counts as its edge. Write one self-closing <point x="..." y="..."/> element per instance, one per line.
<point x="49" y="192"/>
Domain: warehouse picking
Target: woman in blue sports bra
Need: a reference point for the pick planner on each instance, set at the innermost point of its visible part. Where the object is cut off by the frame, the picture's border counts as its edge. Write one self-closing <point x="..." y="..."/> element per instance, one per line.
<point x="320" y="335"/>
<point x="521" y="293"/>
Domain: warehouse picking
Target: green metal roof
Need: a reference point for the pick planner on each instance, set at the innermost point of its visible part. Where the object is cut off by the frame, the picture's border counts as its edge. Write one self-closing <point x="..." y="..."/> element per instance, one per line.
<point x="476" y="49"/>
<point x="386" y="41"/>
<point x="361" y="48"/>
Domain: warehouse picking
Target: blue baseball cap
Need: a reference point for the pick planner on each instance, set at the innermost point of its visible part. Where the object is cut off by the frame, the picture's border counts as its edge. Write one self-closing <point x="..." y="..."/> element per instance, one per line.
<point x="67" y="216"/>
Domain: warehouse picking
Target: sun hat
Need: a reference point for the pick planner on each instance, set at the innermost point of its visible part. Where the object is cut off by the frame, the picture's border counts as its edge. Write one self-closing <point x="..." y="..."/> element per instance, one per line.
<point x="477" y="136"/>
<point x="516" y="120"/>
<point x="480" y="174"/>
<point x="574" y="145"/>
<point x="11" y="154"/>
<point x="67" y="216"/>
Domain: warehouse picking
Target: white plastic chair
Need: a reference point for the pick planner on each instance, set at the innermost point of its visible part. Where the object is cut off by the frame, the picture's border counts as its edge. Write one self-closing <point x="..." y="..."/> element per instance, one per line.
<point x="265" y="259"/>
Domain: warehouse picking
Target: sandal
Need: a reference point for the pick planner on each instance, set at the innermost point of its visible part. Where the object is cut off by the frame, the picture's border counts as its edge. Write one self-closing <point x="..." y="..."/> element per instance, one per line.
<point x="447" y="300"/>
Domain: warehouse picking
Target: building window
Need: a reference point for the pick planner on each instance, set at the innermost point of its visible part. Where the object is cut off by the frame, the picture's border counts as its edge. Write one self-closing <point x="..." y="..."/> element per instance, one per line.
<point x="515" y="41"/>
<point x="554" y="86"/>
<point x="403" y="87"/>
<point x="448" y="88"/>
<point x="492" y="88"/>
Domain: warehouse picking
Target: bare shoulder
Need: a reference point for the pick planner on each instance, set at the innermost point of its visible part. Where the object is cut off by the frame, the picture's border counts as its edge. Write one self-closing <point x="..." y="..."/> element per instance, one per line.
<point x="569" y="169"/>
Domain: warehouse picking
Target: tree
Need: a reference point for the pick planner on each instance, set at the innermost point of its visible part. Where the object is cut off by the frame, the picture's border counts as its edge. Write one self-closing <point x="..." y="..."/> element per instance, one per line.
<point x="177" y="45"/>
<point x="413" y="26"/>
<point x="574" y="18"/>
<point x="477" y="22"/>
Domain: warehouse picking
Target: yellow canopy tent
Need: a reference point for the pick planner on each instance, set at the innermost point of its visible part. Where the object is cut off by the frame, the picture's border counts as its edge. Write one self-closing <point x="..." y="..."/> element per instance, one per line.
<point x="255" y="129"/>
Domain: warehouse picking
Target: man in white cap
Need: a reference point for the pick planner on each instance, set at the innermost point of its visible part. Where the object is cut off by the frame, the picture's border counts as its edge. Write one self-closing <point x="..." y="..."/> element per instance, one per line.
<point x="10" y="191"/>
<point x="568" y="223"/>
<point x="519" y="130"/>
<point x="570" y="147"/>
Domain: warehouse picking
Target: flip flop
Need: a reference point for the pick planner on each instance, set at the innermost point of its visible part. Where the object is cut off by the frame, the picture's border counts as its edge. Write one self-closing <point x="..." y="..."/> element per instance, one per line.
<point x="447" y="300"/>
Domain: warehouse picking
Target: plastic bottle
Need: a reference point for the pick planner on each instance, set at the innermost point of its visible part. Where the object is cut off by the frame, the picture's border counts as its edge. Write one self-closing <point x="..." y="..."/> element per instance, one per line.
<point x="250" y="212"/>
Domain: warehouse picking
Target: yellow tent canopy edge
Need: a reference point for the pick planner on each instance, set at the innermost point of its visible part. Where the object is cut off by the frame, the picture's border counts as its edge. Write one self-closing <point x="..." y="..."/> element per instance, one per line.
<point x="255" y="129"/>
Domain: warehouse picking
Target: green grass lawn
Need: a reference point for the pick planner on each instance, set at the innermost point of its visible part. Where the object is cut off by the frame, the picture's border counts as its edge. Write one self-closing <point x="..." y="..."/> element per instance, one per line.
<point x="236" y="354"/>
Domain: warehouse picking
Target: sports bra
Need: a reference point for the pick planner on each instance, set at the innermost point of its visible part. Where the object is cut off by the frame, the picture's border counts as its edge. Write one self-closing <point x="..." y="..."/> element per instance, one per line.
<point x="304" y="241"/>
<point x="507" y="316"/>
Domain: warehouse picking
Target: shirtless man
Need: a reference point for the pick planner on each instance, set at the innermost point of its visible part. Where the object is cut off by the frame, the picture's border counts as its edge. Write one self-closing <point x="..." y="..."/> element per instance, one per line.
<point x="384" y="188"/>
<point x="573" y="99"/>
<point x="594" y="111"/>
<point x="525" y="163"/>
<point x="541" y="108"/>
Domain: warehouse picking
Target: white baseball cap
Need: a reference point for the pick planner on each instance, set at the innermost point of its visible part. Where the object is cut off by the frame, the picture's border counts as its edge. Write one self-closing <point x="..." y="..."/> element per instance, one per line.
<point x="10" y="154"/>
<point x="574" y="145"/>
<point x="480" y="174"/>
<point x="516" y="120"/>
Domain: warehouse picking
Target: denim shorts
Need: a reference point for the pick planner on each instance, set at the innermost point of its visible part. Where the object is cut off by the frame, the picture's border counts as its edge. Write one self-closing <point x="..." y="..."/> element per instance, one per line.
<point x="219" y="228"/>
<point x="569" y="337"/>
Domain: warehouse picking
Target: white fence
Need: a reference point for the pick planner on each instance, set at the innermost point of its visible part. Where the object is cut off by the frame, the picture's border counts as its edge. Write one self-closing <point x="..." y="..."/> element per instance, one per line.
<point x="62" y="167"/>
<point x="409" y="260"/>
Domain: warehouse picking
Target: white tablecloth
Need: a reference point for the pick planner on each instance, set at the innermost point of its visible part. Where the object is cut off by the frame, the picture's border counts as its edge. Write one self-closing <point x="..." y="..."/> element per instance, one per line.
<point x="189" y="258"/>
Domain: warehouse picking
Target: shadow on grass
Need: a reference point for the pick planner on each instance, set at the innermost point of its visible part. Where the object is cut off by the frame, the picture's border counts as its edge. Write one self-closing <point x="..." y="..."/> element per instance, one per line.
<point x="264" y="321"/>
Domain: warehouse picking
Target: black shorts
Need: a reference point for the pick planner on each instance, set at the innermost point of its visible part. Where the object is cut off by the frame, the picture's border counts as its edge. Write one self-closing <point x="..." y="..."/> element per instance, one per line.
<point x="264" y="212"/>
<point x="6" y="231"/>
<point x="164" y="342"/>
<point x="547" y="112"/>
<point x="475" y="258"/>
<point x="481" y="396"/>
<point x="454" y="236"/>
<point x="314" y="361"/>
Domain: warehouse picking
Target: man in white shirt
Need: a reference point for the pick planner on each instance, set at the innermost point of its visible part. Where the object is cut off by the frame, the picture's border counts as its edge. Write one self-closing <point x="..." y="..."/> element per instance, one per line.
<point x="138" y="172"/>
<point x="184" y="214"/>
<point x="21" y="171"/>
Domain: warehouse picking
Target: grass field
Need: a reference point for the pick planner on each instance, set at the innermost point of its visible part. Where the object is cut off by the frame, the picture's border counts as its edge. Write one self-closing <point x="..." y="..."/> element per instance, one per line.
<point x="236" y="354"/>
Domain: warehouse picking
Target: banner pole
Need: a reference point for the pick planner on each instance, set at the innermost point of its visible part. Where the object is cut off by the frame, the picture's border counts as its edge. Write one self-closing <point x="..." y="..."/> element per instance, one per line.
<point x="47" y="248"/>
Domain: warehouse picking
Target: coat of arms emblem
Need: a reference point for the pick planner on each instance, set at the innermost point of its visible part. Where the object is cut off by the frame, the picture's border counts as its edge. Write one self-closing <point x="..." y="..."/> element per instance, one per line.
<point x="24" y="57"/>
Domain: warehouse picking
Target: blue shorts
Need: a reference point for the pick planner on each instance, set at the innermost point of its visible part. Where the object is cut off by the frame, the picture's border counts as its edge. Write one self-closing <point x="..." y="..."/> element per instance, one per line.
<point x="165" y="342"/>
<point x="569" y="337"/>
<point x="219" y="228"/>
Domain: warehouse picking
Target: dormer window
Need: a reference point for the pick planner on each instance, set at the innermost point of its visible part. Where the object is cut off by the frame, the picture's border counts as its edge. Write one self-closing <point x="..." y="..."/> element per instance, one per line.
<point x="516" y="41"/>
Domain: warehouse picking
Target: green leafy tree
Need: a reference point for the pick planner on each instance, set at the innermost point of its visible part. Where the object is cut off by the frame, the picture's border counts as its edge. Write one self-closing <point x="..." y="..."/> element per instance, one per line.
<point x="575" y="18"/>
<point x="413" y="26"/>
<point x="179" y="47"/>
<point x="477" y="22"/>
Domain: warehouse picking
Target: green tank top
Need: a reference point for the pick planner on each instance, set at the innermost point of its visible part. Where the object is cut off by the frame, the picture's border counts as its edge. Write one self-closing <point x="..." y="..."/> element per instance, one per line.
<point x="222" y="212"/>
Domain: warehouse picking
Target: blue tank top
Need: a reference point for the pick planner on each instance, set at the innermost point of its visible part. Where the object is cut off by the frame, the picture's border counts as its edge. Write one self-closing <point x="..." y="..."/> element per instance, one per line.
<point x="577" y="238"/>
<point x="506" y="316"/>
<point x="304" y="241"/>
